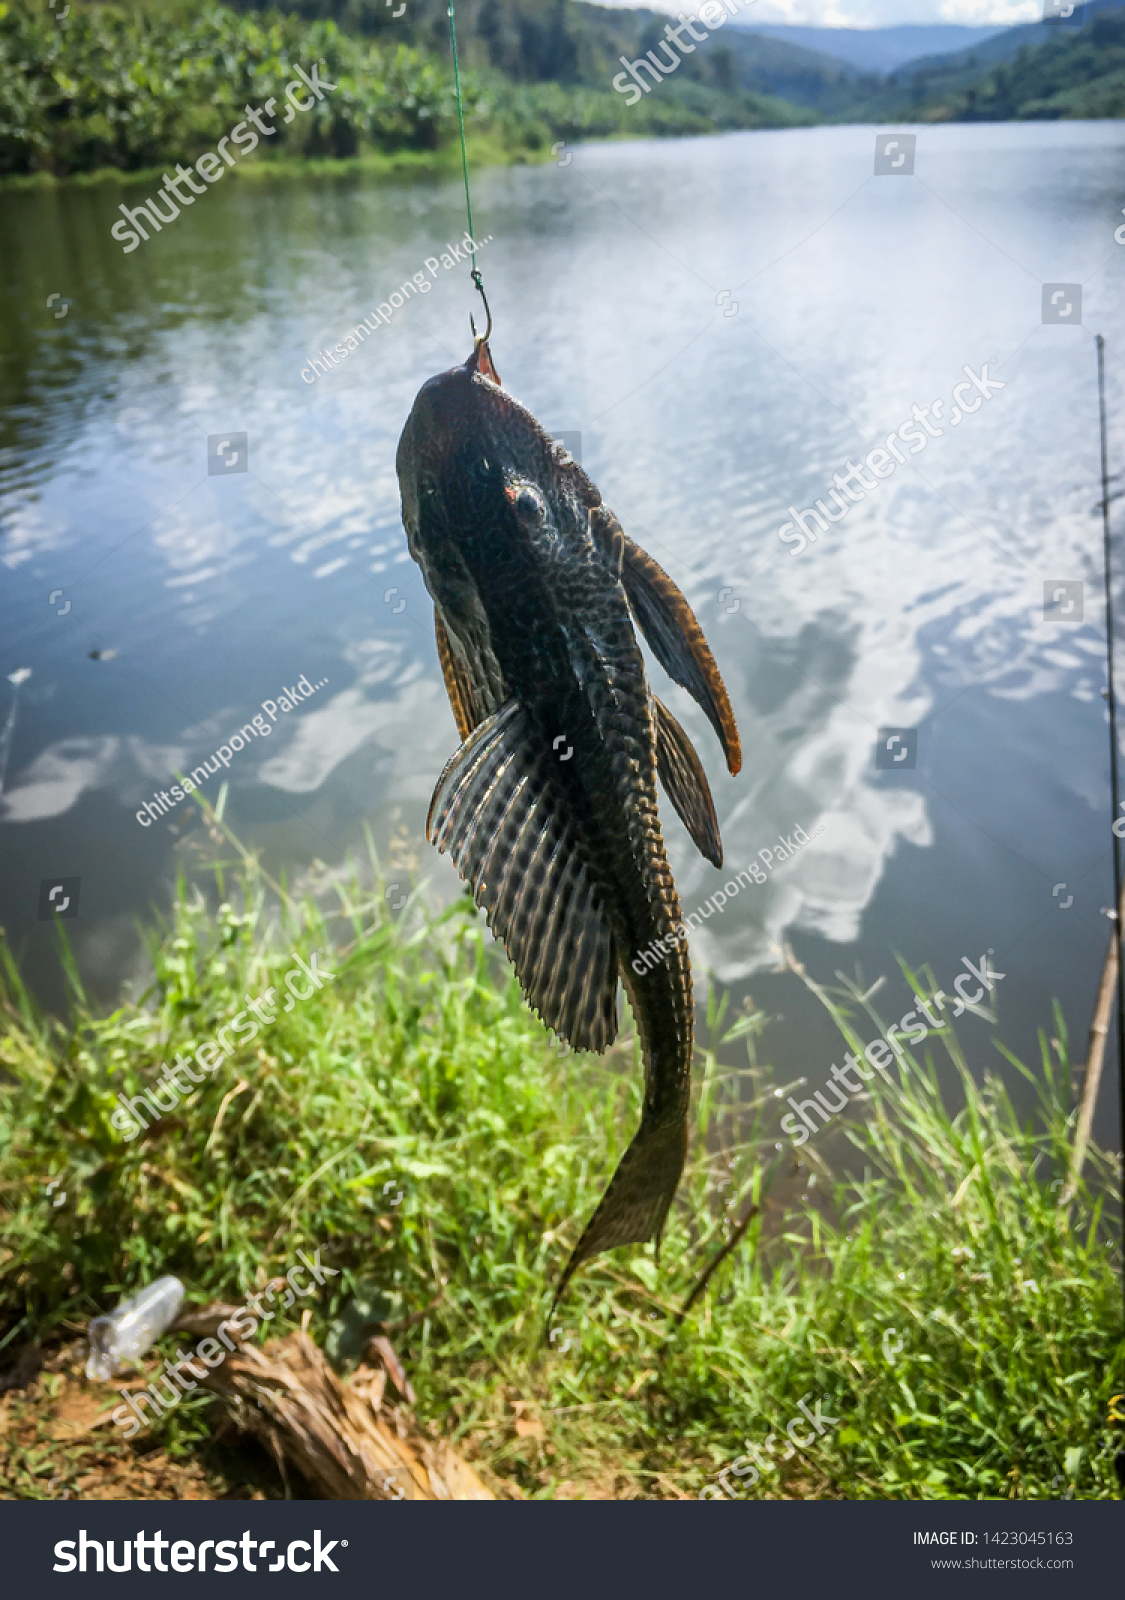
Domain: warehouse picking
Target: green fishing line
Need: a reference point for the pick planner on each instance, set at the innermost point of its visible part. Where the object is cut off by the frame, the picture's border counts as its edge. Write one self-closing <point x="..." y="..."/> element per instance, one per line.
<point x="474" y="271"/>
<point x="460" y="118"/>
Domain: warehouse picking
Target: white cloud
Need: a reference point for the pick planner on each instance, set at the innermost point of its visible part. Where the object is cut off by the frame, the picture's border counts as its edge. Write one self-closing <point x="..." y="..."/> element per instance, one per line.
<point x="979" y="12"/>
<point x="875" y="13"/>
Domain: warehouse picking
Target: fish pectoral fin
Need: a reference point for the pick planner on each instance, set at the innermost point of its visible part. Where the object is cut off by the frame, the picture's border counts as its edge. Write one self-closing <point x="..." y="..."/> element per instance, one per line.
<point x="685" y="783"/>
<point x="676" y="639"/>
<point x="457" y="684"/>
<point x="498" y="815"/>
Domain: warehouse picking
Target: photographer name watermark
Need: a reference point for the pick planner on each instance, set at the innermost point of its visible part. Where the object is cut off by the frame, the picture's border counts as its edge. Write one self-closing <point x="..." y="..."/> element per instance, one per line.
<point x="165" y="800"/>
<point x="323" y="362"/>
<point x="757" y="872"/>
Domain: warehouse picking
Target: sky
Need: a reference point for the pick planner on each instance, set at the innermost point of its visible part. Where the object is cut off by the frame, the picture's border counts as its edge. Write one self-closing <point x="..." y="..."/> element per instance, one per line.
<point x="880" y="13"/>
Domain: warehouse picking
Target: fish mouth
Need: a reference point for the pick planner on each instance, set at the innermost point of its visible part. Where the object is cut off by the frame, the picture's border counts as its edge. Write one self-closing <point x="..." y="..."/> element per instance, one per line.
<point x="485" y="365"/>
<point x="454" y="406"/>
<point x="464" y="423"/>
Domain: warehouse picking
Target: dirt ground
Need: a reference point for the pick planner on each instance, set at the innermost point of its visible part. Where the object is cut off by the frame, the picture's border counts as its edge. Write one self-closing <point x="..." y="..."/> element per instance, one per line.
<point x="58" y="1442"/>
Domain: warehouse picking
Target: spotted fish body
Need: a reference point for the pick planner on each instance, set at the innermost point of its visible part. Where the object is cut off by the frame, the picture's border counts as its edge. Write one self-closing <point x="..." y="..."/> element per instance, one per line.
<point x="549" y="806"/>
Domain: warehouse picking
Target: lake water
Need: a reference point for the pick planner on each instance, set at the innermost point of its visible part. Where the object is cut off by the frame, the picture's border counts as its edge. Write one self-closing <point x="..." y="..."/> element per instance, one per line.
<point x="726" y="322"/>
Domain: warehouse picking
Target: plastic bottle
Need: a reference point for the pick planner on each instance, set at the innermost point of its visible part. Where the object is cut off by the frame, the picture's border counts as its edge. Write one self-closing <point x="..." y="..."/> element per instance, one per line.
<point x="131" y="1327"/>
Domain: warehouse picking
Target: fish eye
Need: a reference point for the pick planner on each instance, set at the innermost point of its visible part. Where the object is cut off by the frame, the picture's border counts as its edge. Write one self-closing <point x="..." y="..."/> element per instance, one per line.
<point x="528" y="504"/>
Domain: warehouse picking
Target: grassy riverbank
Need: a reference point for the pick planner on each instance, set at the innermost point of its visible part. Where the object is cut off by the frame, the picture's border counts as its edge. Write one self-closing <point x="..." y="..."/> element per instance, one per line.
<point x="484" y="150"/>
<point x="413" y="1121"/>
<point x="136" y="88"/>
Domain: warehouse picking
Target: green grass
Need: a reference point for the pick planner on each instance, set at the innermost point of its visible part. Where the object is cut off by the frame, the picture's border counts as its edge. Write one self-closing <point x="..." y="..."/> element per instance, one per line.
<point x="420" y="1068"/>
<point x="483" y="150"/>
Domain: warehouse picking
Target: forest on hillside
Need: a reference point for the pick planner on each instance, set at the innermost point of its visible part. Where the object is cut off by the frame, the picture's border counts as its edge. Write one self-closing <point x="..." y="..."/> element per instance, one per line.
<point x="129" y="87"/>
<point x="132" y="87"/>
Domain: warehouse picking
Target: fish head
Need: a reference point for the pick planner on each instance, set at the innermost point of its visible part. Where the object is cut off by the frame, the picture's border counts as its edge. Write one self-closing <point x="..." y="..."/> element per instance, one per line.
<point x="475" y="468"/>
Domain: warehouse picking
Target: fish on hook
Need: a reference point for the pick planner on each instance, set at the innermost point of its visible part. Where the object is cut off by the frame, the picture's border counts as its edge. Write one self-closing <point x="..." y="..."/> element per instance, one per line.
<point x="549" y="807"/>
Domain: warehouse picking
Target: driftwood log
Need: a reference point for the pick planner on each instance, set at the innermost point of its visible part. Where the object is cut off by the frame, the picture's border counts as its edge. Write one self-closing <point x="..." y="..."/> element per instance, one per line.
<point x="339" y="1435"/>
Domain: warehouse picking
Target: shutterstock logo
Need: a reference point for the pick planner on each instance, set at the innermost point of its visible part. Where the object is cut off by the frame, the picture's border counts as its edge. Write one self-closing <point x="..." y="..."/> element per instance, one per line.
<point x="227" y="452"/>
<point x="894" y="154"/>
<point x="897" y="747"/>
<point x="1062" y="302"/>
<point x="1063" y="13"/>
<point x="185" y="1556"/>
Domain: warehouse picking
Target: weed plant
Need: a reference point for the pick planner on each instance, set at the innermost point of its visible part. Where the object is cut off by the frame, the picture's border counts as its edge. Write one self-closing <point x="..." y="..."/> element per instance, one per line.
<point x="414" y="1122"/>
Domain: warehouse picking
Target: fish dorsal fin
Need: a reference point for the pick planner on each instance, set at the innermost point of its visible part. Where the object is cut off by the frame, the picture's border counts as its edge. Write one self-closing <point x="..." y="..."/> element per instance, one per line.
<point x="670" y="626"/>
<point x="457" y="685"/>
<point x="685" y="783"/>
<point x="496" y="811"/>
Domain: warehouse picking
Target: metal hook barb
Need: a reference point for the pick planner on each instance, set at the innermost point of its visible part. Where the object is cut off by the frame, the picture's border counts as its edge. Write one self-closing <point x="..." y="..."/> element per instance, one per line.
<point x="480" y="338"/>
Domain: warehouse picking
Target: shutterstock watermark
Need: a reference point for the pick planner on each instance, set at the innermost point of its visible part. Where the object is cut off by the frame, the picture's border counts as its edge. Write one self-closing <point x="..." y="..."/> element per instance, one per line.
<point x="209" y="167"/>
<point x="243" y="1322"/>
<point x="850" y="486"/>
<point x="187" y="1556"/>
<point x="798" y="1123"/>
<point x="129" y="1118"/>
<point x="675" y="47"/>
<point x="165" y="800"/>
<point x="752" y="1465"/>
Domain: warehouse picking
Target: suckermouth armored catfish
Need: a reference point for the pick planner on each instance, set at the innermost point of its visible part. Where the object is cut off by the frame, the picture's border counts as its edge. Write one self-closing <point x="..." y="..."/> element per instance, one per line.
<point x="548" y="808"/>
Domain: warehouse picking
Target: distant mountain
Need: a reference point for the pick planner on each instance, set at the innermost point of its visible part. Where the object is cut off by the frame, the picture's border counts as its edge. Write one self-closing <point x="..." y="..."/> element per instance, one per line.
<point x="877" y="49"/>
<point x="1035" y="71"/>
<point x="1004" y="45"/>
<point x="737" y="58"/>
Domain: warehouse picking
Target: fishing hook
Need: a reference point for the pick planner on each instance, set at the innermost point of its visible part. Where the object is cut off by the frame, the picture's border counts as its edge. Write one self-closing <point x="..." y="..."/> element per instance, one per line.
<point x="479" y="339"/>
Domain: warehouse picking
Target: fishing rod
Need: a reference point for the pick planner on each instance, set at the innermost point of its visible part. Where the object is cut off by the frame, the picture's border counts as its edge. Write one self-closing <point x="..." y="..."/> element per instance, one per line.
<point x="1113" y="979"/>
<point x="1113" y="749"/>
<point x="474" y="271"/>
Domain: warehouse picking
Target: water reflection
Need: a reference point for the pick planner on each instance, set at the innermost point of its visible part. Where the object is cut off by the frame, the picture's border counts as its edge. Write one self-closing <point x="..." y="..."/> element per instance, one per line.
<point x="612" y="282"/>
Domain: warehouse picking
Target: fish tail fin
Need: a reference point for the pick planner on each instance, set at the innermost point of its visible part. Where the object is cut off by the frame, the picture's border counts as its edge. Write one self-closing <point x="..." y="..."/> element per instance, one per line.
<point x="635" y="1205"/>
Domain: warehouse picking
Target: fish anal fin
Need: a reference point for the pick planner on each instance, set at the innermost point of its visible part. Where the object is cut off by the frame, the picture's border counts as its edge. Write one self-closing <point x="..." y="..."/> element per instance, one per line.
<point x="685" y="783"/>
<point x="497" y="813"/>
<point x="457" y="685"/>
<point x="673" y="632"/>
